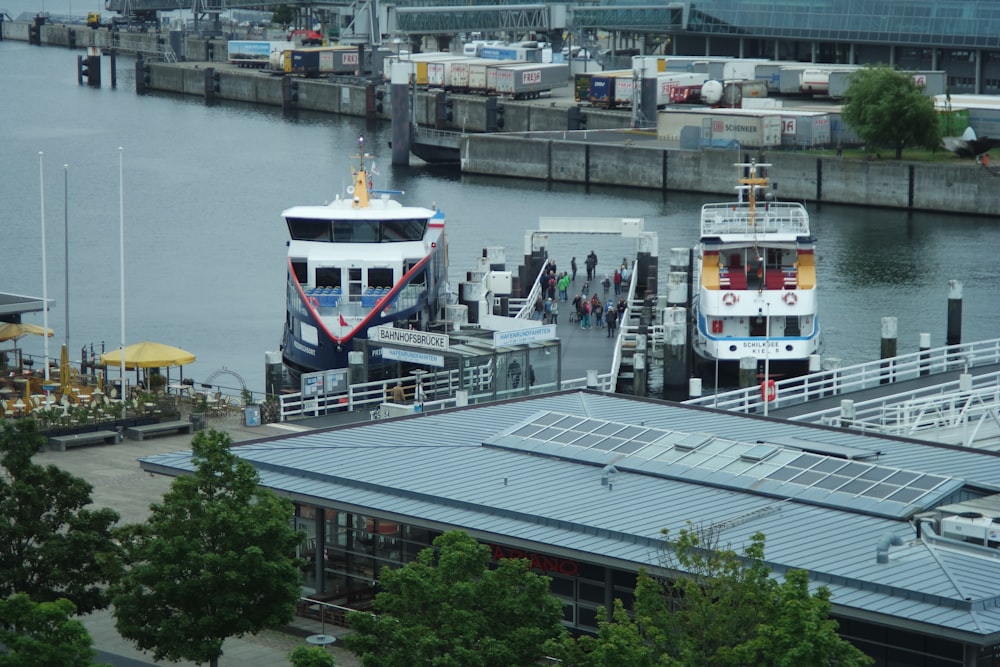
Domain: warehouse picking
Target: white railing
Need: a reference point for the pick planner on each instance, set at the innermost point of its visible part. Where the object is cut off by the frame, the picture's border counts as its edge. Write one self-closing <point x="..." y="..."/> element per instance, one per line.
<point x="776" y="217"/>
<point x="834" y="382"/>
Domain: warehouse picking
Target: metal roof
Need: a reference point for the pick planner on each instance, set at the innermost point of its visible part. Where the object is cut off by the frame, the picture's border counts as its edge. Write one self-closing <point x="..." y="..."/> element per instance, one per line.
<point x="434" y="469"/>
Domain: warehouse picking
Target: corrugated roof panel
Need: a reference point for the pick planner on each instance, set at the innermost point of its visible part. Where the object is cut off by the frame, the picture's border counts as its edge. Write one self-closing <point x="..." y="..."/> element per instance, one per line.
<point x="406" y="468"/>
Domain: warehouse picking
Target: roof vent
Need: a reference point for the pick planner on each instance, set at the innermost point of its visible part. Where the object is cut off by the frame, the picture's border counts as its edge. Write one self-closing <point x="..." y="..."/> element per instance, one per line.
<point x="882" y="548"/>
<point x="606" y="474"/>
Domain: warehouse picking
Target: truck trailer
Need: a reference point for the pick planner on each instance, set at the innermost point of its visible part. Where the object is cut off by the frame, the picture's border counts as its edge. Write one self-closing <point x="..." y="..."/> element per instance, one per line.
<point x="255" y="54"/>
<point x="530" y="80"/>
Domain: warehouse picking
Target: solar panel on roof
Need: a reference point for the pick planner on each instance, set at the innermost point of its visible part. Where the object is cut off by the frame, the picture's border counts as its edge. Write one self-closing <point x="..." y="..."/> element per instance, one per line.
<point x="832" y="479"/>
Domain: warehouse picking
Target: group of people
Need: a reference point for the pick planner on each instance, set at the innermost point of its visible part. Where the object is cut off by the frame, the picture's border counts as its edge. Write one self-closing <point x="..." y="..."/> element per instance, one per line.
<point x="590" y="309"/>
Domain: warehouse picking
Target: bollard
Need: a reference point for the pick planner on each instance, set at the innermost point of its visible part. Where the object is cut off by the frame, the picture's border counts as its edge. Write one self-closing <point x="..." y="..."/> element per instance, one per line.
<point x="677" y="288"/>
<point x="847" y="413"/>
<point x="639" y="381"/>
<point x="694" y="388"/>
<point x="748" y="372"/>
<point x="832" y="384"/>
<point x="592" y="379"/>
<point x="888" y="349"/>
<point x="925" y="355"/>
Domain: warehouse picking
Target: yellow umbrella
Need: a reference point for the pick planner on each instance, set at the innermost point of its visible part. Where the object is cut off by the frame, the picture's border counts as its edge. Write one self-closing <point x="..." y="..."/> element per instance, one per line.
<point x="148" y="355"/>
<point x="14" y="330"/>
<point x="64" y="383"/>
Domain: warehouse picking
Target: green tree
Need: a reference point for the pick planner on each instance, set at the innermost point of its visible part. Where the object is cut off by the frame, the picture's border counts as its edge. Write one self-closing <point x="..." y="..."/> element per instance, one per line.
<point x="723" y="610"/>
<point x="213" y="561"/>
<point x="42" y="634"/>
<point x="311" y="656"/>
<point x="51" y="545"/>
<point x="886" y="108"/>
<point x="282" y="15"/>
<point x="449" y="608"/>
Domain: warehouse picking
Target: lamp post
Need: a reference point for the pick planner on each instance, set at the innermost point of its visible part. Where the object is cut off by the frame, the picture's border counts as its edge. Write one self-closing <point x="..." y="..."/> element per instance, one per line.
<point x="66" y="247"/>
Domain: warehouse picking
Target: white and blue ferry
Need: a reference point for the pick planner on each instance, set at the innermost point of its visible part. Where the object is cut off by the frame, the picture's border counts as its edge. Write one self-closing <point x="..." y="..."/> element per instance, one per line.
<point x="360" y="261"/>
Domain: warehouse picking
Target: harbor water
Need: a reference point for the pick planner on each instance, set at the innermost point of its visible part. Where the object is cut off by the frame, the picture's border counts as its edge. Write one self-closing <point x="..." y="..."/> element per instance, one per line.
<point x="204" y="246"/>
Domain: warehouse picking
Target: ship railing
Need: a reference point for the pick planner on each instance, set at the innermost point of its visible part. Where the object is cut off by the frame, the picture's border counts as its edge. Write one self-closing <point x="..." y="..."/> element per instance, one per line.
<point x="838" y="381"/>
<point x="775" y="218"/>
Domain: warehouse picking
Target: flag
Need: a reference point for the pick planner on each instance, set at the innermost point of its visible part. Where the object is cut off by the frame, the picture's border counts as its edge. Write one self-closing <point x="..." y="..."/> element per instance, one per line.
<point x="374" y="169"/>
<point x="343" y="322"/>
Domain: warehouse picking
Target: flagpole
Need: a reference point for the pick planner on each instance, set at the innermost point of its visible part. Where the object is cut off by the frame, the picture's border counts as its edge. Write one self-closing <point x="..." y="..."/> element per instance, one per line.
<point x="121" y="258"/>
<point x="45" y="277"/>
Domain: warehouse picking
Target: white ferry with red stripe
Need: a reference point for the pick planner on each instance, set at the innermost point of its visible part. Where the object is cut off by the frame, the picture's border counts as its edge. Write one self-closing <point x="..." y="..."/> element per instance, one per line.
<point x="755" y="272"/>
<point x="360" y="261"/>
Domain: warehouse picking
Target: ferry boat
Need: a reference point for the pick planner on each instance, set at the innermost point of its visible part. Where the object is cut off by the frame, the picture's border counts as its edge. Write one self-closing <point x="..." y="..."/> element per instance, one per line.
<point x="756" y="277"/>
<point x="360" y="261"/>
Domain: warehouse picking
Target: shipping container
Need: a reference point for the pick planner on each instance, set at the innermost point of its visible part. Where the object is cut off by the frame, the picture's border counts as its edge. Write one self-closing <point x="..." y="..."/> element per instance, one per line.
<point x="733" y="69"/>
<point x="603" y="87"/>
<point x="983" y="112"/>
<point x="511" y="52"/>
<point x="804" y="128"/>
<point x="439" y="71"/>
<point x="321" y="60"/>
<point x="529" y="80"/>
<point x="718" y="128"/>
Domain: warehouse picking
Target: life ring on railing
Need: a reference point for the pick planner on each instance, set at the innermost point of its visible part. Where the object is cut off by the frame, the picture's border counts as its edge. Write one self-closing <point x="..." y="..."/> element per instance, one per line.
<point x="729" y="298"/>
<point x="313" y="301"/>
<point x="791" y="298"/>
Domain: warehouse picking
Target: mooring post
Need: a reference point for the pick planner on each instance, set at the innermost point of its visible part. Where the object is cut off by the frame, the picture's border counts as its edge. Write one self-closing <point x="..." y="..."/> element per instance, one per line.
<point x="925" y="355"/>
<point x="748" y="372"/>
<point x="954" y="312"/>
<point x="888" y="349"/>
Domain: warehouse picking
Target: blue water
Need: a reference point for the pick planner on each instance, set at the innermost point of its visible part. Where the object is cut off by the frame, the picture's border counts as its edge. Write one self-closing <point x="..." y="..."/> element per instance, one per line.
<point x="204" y="187"/>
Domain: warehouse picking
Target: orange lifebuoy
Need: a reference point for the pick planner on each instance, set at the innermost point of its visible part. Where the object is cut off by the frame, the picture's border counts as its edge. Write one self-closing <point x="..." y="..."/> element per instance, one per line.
<point x="729" y="298"/>
<point x="790" y="298"/>
<point x="313" y="301"/>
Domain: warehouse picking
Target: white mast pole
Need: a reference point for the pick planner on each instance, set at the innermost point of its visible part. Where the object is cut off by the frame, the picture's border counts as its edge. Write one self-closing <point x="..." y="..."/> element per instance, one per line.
<point x="45" y="277"/>
<point x="121" y="257"/>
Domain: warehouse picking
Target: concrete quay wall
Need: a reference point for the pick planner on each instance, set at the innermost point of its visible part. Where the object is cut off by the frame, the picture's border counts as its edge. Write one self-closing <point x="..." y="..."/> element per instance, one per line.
<point x="579" y="157"/>
<point x="953" y="188"/>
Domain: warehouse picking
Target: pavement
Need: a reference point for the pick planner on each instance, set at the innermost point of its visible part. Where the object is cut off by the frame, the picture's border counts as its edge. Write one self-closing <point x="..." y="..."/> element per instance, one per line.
<point x="120" y="484"/>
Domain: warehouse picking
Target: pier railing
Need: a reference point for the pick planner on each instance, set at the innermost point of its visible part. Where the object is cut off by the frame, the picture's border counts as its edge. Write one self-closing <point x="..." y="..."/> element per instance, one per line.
<point x="837" y="381"/>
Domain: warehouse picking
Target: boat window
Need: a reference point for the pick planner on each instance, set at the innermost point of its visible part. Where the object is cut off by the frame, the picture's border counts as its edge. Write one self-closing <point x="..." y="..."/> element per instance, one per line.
<point x="403" y="230"/>
<point x="380" y="278"/>
<point x="328" y="276"/>
<point x="354" y="285"/>
<point x="301" y="271"/>
<point x="420" y="278"/>
<point x="303" y="229"/>
<point x="355" y="232"/>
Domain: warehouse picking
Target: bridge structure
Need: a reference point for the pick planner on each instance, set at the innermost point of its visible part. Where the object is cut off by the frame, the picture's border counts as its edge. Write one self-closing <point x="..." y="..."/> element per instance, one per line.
<point x="371" y="20"/>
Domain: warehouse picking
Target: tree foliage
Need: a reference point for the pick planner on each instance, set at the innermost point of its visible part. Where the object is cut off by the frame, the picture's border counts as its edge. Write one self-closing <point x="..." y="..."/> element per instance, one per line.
<point x="449" y="608"/>
<point x="283" y="15"/>
<point x="42" y="634"/>
<point x="886" y="108"/>
<point x="213" y="561"/>
<point x="723" y="610"/>
<point x="311" y="656"/>
<point x="51" y="545"/>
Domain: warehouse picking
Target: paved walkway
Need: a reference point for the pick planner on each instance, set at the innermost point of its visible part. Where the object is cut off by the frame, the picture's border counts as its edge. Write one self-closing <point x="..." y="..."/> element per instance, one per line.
<point x="119" y="484"/>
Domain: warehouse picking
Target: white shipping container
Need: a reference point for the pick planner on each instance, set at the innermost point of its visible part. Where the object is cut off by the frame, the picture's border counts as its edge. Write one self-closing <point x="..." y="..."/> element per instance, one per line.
<point x="717" y="128"/>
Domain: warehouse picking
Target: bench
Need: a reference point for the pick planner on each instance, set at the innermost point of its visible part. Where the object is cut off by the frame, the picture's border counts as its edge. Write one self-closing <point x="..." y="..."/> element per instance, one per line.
<point x="59" y="443"/>
<point x="140" y="432"/>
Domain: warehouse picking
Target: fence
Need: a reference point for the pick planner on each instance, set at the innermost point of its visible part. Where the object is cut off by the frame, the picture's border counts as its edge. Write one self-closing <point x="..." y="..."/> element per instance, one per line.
<point x="834" y="382"/>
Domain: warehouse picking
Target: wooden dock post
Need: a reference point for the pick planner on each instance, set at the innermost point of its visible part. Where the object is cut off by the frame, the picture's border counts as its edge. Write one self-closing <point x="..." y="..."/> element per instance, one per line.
<point x="889" y="334"/>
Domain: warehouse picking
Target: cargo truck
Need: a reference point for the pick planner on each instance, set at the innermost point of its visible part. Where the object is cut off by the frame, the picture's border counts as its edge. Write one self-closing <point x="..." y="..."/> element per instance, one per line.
<point x="255" y="54"/>
<point x="530" y="80"/>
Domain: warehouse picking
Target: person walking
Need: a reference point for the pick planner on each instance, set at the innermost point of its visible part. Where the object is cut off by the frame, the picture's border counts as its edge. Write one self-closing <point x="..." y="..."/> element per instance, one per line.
<point x="591" y="263"/>
<point x="554" y="312"/>
<point x="611" y="319"/>
<point x="618" y="282"/>
<point x="548" y="311"/>
<point x="572" y="266"/>
<point x="597" y="310"/>
<point x="585" y="317"/>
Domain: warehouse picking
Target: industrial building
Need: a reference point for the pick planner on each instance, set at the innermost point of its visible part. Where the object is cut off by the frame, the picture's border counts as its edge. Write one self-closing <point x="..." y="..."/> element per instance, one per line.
<point x="902" y="532"/>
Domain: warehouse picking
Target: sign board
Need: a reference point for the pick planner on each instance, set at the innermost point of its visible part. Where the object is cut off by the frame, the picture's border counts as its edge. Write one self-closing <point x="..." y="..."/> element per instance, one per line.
<point x="336" y="381"/>
<point x="409" y="337"/>
<point x="413" y="357"/>
<point x="312" y="384"/>
<point x="523" y="336"/>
